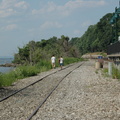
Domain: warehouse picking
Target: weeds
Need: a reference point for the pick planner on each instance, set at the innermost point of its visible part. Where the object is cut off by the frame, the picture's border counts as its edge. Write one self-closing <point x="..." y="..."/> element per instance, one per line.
<point x="115" y="72"/>
<point x="21" y="72"/>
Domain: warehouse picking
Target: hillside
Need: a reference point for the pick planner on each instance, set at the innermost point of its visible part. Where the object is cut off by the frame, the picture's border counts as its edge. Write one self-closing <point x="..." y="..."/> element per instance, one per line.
<point x="97" y="37"/>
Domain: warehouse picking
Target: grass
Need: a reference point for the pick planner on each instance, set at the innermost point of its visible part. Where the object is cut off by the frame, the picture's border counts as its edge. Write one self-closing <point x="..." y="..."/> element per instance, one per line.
<point x="115" y="72"/>
<point x="72" y="60"/>
<point x="105" y="72"/>
<point x="7" y="79"/>
<point x="21" y="72"/>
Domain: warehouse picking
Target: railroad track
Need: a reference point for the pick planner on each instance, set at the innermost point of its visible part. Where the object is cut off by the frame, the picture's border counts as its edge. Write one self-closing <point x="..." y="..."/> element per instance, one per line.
<point x="27" y="92"/>
<point x="13" y="93"/>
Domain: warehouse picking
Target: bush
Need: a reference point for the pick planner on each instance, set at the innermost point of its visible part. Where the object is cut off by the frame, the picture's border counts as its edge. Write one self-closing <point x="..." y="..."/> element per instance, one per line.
<point x="7" y="79"/>
<point x="27" y="71"/>
<point x="71" y="60"/>
<point x="43" y="65"/>
<point x="116" y="73"/>
<point x="18" y="73"/>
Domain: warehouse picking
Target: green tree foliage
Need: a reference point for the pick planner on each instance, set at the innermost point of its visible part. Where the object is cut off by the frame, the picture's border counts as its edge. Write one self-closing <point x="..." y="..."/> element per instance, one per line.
<point x="97" y="37"/>
<point x="34" y="52"/>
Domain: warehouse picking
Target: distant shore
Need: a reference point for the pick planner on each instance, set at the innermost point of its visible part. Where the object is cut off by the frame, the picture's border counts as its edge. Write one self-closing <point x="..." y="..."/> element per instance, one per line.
<point x="8" y="65"/>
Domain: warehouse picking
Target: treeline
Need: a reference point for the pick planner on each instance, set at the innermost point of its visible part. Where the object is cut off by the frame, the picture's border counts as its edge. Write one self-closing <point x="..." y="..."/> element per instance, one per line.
<point x="97" y="37"/>
<point x="33" y="52"/>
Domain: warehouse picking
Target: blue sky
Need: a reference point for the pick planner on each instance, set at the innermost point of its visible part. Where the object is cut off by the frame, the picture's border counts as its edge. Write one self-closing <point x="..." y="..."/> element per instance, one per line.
<point x="24" y="20"/>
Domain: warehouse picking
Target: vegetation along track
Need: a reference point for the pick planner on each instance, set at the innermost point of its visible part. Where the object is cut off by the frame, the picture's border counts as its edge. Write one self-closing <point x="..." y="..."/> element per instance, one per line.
<point x="15" y="92"/>
<point x="24" y="103"/>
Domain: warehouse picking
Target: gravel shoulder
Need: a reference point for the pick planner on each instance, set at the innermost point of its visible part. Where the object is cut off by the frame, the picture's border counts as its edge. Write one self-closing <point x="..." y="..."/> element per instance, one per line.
<point x="83" y="95"/>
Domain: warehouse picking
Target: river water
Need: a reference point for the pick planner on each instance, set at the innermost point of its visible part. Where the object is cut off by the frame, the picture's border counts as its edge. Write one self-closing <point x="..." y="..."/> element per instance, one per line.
<point x="4" y="60"/>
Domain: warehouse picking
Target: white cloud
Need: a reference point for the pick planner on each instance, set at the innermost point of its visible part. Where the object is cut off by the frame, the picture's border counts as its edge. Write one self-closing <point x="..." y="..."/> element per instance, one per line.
<point x="10" y="27"/>
<point x="73" y="5"/>
<point x="5" y="4"/>
<point x="86" y="23"/>
<point x="48" y="25"/>
<point x="50" y="7"/>
<point x="21" y="5"/>
<point x="82" y="3"/>
<point x="67" y="8"/>
<point x="7" y="12"/>
<point x="77" y="32"/>
<point x="10" y="7"/>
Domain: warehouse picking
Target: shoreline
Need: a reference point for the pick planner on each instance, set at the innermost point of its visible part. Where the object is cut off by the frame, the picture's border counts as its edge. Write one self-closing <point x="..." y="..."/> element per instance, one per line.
<point x="8" y="65"/>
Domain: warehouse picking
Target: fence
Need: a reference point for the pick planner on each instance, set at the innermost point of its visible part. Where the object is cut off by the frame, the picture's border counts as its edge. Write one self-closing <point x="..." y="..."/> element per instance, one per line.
<point x="114" y="48"/>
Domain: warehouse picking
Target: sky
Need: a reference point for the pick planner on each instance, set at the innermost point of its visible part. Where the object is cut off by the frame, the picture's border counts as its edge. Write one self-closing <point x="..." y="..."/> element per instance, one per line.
<point x="24" y="20"/>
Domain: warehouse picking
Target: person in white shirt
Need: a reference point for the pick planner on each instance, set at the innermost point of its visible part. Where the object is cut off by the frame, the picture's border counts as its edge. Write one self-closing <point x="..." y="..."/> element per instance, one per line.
<point x="53" y="61"/>
<point x="61" y="61"/>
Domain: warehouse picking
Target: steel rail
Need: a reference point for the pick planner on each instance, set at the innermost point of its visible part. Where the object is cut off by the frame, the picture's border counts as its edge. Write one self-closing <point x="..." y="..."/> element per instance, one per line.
<point x="40" y="105"/>
<point x="30" y="85"/>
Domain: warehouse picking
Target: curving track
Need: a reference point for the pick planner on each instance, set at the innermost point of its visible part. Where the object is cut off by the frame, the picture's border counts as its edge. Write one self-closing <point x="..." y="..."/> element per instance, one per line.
<point x="24" y="103"/>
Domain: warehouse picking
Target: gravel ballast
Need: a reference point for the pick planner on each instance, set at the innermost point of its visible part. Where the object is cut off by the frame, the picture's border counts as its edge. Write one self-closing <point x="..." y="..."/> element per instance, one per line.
<point x="83" y="95"/>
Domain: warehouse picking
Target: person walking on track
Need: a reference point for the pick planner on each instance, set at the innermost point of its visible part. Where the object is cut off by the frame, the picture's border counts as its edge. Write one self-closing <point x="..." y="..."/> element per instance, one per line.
<point x="61" y="62"/>
<point x="53" y="61"/>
